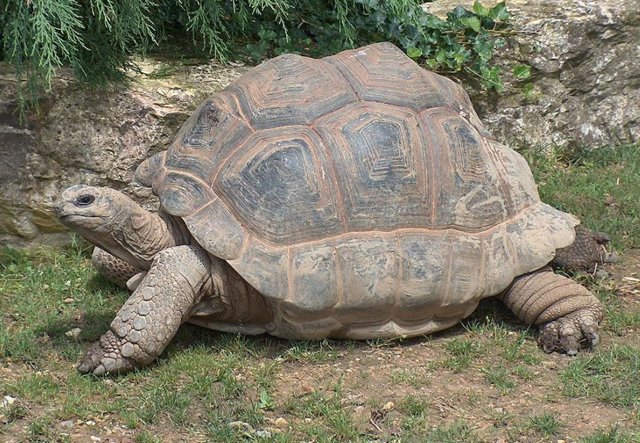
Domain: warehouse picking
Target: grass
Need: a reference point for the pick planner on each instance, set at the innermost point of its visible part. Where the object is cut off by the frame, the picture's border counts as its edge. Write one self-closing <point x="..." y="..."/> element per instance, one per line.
<point x="600" y="186"/>
<point x="481" y="381"/>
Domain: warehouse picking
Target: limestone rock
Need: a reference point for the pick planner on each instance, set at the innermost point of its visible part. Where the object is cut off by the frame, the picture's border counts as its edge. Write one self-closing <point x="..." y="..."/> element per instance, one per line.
<point x="585" y="59"/>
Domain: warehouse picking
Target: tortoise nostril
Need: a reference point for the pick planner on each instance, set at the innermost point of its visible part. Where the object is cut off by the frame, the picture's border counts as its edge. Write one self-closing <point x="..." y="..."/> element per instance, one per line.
<point x="84" y="200"/>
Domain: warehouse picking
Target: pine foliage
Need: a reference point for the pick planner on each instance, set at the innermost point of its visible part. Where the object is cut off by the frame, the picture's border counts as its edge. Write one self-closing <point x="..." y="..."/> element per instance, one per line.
<point x="97" y="37"/>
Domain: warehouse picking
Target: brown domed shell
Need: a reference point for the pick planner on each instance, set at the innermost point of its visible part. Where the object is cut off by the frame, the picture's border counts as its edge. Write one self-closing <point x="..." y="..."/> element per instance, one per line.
<point x="360" y="171"/>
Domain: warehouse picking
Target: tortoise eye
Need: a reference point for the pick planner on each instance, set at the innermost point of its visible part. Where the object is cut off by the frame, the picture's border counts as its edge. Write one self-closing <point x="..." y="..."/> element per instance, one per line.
<point x="85" y="200"/>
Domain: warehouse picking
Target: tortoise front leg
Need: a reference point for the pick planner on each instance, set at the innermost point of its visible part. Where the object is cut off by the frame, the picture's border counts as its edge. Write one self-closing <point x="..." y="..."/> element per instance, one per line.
<point x="149" y="319"/>
<point x="113" y="268"/>
<point x="568" y="313"/>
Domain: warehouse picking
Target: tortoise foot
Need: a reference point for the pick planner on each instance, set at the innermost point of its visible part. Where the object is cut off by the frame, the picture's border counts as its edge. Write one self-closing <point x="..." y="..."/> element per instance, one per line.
<point x="105" y="357"/>
<point x="569" y="333"/>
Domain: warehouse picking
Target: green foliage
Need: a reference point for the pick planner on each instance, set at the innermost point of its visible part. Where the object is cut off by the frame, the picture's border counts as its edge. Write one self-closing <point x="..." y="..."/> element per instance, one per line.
<point x="97" y="37"/>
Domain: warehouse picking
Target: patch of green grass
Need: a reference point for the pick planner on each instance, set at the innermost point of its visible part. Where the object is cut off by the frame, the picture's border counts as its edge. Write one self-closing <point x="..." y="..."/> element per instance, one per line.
<point x="545" y="424"/>
<point x="463" y="352"/>
<point x="611" y="435"/>
<point x="48" y="293"/>
<point x="618" y="317"/>
<point x="610" y="375"/>
<point x="408" y="377"/>
<point x="310" y="351"/>
<point x="499" y="377"/>
<point x="600" y="186"/>
<point x="458" y="432"/>
<point x="147" y="437"/>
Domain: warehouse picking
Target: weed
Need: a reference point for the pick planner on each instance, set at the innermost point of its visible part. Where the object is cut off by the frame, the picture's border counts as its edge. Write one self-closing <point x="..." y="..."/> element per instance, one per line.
<point x="458" y="432"/>
<point x="463" y="351"/>
<point x="612" y="435"/>
<point x="499" y="377"/>
<point x="545" y="424"/>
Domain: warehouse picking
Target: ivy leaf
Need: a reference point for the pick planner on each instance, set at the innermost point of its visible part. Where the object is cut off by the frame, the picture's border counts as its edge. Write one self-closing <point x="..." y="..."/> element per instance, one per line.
<point x="499" y="12"/>
<point x="471" y="22"/>
<point x="414" y="52"/>
<point x="479" y="9"/>
<point x="522" y="72"/>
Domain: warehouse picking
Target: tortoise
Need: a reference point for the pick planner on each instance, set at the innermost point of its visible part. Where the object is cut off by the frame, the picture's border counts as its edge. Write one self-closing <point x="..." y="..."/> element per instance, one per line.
<point x="355" y="196"/>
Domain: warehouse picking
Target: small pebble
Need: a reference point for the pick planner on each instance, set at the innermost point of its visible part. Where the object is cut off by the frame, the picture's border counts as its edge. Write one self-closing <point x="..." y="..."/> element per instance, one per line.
<point x="94" y="438"/>
<point x="242" y="426"/>
<point x="601" y="274"/>
<point x="68" y="300"/>
<point x="90" y="423"/>
<point x="73" y="333"/>
<point x="263" y="434"/>
<point x="67" y="424"/>
<point x="281" y="422"/>
<point x="7" y="401"/>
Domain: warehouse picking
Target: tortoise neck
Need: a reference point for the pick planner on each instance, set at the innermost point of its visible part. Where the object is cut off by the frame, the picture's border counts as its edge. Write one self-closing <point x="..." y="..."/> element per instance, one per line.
<point x="141" y="234"/>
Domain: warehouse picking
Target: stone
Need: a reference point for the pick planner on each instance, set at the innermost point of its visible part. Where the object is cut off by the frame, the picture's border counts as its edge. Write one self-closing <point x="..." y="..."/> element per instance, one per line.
<point x="585" y="60"/>
<point x="73" y="333"/>
<point x="281" y="422"/>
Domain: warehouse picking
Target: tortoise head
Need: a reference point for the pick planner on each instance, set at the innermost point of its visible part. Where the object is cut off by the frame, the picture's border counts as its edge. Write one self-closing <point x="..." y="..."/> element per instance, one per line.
<point x="111" y="220"/>
<point x="94" y="211"/>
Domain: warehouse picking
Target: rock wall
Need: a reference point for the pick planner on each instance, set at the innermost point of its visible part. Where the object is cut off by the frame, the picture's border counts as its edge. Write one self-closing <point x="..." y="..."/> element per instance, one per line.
<point x="96" y="137"/>
<point x="585" y="57"/>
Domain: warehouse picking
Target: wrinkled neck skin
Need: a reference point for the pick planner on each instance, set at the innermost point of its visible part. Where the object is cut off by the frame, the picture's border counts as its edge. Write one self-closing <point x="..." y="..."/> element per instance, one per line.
<point x="137" y="235"/>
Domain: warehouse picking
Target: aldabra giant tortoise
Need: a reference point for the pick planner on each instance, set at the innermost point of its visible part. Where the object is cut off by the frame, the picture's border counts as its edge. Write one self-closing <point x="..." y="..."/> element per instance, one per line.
<point x="354" y="196"/>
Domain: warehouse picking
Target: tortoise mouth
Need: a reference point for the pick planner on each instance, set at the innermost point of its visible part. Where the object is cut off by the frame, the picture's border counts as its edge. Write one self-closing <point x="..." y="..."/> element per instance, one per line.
<point x="73" y="219"/>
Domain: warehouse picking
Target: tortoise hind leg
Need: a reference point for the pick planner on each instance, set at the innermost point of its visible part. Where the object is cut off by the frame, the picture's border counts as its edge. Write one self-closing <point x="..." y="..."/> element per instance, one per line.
<point x="568" y="313"/>
<point x="179" y="277"/>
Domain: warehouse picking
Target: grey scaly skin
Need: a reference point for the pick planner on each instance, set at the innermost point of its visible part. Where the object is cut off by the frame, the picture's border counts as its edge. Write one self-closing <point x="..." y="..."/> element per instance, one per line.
<point x="173" y="277"/>
<point x="130" y="239"/>
<point x="113" y="268"/>
<point x="178" y="279"/>
<point x="175" y="281"/>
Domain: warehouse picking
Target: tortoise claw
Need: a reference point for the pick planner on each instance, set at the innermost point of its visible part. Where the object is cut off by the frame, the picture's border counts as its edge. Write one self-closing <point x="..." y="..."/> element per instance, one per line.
<point x="105" y="357"/>
<point x="570" y="333"/>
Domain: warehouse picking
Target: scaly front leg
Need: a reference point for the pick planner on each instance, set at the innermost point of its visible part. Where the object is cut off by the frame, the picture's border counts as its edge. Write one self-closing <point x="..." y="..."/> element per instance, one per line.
<point x="149" y="319"/>
<point x="113" y="268"/>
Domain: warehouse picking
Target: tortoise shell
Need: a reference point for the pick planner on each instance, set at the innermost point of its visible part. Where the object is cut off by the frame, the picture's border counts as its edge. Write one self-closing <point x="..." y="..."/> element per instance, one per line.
<point x="359" y="193"/>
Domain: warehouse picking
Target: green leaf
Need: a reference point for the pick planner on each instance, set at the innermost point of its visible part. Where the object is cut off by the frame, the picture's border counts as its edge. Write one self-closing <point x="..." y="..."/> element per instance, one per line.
<point x="471" y="22"/>
<point x="499" y="12"/>
<point x="522" y="72"/>
<point x="265" y="401"/>
<point x="479" y="9"/>
<point x="414" y="52"/>
<point x="528" y="91"/>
